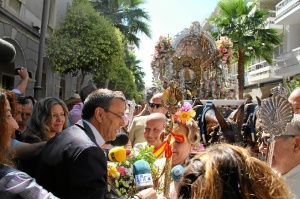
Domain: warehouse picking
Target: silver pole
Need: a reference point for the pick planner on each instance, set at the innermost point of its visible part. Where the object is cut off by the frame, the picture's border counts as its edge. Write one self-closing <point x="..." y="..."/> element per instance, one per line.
<point x="39" y="72"/>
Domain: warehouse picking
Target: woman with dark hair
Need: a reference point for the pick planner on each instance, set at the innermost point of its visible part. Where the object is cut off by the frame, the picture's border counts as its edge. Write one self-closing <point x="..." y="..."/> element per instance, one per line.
<point x="229" y="172"/>
<point x="13" y="183"/>
<point x="49" y="117"/>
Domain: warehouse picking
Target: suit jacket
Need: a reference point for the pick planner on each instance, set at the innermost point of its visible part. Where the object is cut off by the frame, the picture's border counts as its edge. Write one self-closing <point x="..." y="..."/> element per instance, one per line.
<point x="72" y="165"/>
<point x="136" y="130"/>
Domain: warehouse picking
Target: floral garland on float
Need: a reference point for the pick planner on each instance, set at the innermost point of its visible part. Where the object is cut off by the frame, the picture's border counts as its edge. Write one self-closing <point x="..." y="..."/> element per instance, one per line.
<point x="225" y="51"/>
<point x="163" y="51"/>
<point x="225" y="56"/>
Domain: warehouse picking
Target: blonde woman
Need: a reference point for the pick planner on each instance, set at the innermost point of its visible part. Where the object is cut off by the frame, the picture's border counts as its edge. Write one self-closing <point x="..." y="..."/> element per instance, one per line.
<point x="227" y="171"/>
<point x="49" y="117"/>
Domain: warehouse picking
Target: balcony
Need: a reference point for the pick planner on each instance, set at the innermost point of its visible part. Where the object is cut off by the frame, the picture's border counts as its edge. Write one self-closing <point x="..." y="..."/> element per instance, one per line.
<point x="288" y="64"/>
<point x="270" y="22"/>
<point x="260" y="73"/>
<point x="288" y="12"/>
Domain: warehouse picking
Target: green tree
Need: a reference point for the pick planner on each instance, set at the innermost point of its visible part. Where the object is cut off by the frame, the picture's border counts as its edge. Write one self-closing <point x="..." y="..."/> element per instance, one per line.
<point x="125" y="15"/>
<point x="124" y="80"/>
<point x="85" y="42"/>
<point x="133" y="64"/>
<point x="244" y="23"/>
<point x="294" y="83"/>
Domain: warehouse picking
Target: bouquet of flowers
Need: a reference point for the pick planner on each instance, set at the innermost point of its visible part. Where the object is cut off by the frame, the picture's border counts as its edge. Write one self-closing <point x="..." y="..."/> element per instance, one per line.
<point x="225" y="50"/>
<point x="121" y="183"/>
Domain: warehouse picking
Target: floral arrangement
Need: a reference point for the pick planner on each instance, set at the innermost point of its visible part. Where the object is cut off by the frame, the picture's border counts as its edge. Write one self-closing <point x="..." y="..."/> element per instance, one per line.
<point x="121" y="181"/>
<point x="163" y="50"/>
<point x="185" y="114"/>
<point x="225" y="51"/>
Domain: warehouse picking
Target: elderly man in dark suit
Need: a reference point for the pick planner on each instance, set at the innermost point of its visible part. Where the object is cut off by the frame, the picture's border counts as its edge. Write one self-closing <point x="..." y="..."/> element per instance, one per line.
<point x="72" y="163"/>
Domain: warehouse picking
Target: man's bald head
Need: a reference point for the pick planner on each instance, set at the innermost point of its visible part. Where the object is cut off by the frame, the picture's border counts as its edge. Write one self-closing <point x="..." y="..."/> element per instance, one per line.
<point x="294" y="99"/>
<point x="153" y="128"/>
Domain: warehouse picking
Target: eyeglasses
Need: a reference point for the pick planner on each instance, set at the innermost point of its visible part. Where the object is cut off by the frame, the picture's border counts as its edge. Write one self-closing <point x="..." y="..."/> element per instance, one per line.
<point x="152" y="105"/>
<point x="119" y="116"/>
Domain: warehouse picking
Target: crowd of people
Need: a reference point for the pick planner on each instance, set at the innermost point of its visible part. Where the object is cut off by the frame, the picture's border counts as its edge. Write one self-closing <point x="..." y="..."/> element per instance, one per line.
<point x="50" y="148"/>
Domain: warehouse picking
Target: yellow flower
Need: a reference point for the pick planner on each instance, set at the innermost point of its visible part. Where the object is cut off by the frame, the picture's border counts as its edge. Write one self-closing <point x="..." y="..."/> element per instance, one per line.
<point x="112" y="171"/>
<point x="184" y="116"/>
<point x="192" y="112"/>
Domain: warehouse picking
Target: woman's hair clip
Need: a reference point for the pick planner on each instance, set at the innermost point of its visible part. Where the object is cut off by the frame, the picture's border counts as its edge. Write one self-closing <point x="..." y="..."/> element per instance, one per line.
<point x="185" y="114"/>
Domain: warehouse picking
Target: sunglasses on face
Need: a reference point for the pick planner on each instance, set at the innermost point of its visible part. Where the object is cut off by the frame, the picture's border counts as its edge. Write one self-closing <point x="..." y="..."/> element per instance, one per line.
<point x="152" y="105"/>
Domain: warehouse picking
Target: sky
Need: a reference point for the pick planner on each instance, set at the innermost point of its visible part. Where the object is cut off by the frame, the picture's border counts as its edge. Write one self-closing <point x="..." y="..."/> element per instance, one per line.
<point x="168" y="18"/>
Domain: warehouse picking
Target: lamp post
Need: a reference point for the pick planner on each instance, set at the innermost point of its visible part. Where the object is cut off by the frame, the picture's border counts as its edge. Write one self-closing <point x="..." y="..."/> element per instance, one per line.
<point x="39" y="72"/>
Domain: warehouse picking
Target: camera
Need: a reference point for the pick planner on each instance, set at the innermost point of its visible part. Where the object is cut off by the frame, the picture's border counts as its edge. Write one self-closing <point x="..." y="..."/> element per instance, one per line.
<point x="17" y="69"/>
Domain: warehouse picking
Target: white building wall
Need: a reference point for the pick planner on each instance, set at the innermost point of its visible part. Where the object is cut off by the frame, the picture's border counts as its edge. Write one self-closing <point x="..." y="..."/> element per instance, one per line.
<point x="17" y="28"/>
<point x="293" y="40"/>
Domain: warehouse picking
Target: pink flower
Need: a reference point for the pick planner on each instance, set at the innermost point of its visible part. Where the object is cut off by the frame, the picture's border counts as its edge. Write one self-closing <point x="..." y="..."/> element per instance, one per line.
<point x="122" y="170"/>
<point x="186" y="107"/>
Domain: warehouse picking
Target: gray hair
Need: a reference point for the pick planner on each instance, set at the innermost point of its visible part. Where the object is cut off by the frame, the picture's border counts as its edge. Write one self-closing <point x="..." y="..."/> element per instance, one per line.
<point x="41" y="114"/>
<point x="293" y="128"/>
<point x="99" y="98"/>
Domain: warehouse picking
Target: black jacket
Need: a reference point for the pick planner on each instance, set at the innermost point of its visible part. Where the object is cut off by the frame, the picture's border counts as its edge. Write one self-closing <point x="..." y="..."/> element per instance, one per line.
<point x="73" y="166"/>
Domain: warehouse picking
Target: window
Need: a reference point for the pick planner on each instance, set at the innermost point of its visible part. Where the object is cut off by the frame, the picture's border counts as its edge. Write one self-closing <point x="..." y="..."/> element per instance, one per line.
<point x="14" y="6"/>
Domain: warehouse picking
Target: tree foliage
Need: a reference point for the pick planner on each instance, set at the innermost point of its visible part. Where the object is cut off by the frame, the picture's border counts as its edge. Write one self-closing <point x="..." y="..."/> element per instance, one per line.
<point x="85" y="41"/>
<point x="293" y="84"/>
<point x="125" y="15"/>
<point x="133" y="64"/>
<point x="124" y="81"/>
<point x="244" y="24"/>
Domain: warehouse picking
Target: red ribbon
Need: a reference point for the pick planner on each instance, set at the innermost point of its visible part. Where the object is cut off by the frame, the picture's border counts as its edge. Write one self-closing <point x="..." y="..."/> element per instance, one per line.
<point x="165" y="146"/>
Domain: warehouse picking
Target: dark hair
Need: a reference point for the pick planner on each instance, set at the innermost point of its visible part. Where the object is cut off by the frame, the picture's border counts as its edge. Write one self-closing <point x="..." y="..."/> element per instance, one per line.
<point x="32" y="100"/>
<point x="85" y="91"/>
<point x="99" y="98"/>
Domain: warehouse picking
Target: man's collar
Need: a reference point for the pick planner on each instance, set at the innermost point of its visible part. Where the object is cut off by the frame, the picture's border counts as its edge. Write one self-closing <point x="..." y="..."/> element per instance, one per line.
<point x="100" y="141"/>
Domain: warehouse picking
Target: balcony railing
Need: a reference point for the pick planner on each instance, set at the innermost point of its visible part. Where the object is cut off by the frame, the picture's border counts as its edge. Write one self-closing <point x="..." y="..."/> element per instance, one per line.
<point x="270" y="21"/>
<point x="285" y="6"/>
<point x="260" y="72"/>
<point x="289" y="59"/>
<point x="288" y="64"/>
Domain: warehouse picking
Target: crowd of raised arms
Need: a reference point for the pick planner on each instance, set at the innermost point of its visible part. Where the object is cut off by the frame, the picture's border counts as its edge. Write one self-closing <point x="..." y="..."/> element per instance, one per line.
<point x="72" y="149"/>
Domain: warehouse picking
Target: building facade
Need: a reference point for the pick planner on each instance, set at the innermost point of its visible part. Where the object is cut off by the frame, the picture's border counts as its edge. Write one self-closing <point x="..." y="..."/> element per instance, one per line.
<point x="260" y="76"/>
<point x="20" y="25"/>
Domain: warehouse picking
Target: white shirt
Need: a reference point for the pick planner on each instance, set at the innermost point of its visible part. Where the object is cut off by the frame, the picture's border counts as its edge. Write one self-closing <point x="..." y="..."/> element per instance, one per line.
<point x="100" y="141"/>
<point x="293" y="180"/>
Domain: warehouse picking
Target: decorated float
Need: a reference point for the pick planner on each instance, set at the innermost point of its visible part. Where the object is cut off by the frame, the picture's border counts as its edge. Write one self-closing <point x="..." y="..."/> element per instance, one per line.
<point x="201" y="65"/>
